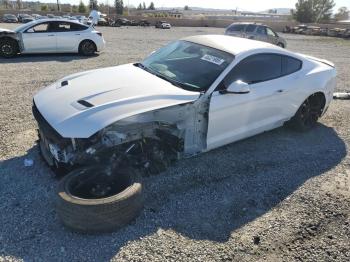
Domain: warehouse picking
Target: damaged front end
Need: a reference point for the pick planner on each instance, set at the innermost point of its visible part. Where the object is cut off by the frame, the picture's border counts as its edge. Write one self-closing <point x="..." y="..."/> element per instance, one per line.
<point x="149" y="141"/>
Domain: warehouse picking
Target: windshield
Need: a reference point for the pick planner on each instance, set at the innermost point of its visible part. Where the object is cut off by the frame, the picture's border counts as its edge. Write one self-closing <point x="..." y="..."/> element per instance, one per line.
<point x="191" y="66"/>
<point x="19" y="29"/>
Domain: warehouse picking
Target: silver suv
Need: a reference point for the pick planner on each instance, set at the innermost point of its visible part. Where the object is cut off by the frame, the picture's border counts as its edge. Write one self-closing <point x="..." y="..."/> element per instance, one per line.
<point x="256" y="31"/>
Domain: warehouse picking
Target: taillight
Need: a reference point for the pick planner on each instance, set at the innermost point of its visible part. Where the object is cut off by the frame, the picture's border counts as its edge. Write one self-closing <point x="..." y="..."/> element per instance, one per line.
<point x="100" y="34"/>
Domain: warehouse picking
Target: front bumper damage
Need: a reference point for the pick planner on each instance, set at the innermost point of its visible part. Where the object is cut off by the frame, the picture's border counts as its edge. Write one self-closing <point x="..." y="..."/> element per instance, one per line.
<point x="149" y="147"/>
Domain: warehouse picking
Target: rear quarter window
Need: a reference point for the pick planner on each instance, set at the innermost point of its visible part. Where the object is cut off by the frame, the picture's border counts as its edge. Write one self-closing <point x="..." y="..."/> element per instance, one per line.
<point x="77" y="27"/>
<point x="290" y="65"/>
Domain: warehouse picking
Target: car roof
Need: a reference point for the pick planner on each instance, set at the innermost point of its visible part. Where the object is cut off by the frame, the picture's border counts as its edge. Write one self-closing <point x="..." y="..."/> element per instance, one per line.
<point x="58" y="20"/>
<point x="229" y="44"/>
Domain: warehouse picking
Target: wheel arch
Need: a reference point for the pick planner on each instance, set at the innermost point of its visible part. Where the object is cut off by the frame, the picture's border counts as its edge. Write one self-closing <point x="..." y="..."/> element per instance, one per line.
<point x="7" y="37"/>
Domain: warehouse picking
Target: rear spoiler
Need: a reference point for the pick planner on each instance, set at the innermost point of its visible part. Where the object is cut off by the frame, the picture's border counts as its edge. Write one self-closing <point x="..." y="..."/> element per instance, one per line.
<point x="319" y="60"/>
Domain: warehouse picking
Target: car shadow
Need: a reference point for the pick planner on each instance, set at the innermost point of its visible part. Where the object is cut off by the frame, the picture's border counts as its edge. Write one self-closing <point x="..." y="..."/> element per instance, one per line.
<point x="207" y="197"/>
<point x="30" y="58"/>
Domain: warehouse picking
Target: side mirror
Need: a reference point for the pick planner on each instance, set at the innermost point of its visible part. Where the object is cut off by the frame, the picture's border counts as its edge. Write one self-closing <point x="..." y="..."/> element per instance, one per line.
<point x="30" y="30"/>
<point x="237" y="87"/>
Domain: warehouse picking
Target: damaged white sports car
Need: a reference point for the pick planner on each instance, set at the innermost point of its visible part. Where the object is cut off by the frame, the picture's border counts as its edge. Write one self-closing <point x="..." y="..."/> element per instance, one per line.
<point x="189" y="97"/>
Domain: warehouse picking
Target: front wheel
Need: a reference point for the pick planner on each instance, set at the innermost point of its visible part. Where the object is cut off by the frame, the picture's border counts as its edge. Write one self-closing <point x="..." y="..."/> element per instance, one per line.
<point x="281" y="45"/>
<point x="8" y="48"/>
<point x="87" y="48"/>
<point x="308" y="113"/>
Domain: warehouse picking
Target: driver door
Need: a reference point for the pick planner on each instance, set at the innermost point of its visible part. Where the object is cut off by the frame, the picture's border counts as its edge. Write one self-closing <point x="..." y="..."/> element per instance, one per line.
<point x="233" y="117"/>
<point x="39" y="39"/>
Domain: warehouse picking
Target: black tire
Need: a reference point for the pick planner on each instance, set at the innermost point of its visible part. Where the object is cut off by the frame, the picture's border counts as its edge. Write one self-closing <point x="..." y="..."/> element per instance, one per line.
<point x="80" y="210"/>
<point x="87" y="48"/>
<point x="281" y="45"/>
<point x="308" y="113"/>
<point x="8" y="48"/>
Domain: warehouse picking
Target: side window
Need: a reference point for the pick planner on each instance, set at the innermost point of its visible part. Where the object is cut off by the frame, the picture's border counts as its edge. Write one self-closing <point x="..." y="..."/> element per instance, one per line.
<point x="67" y="27"/>
<point x="250" y="28"/>
<point x="270" y="32"/>
<point x="77" y="27"/>
<point x="40" y="28"/>
<point x="236" y="28"/>
<point x="261" y="30"/>
<point x="255" y="69"/>
<point x="290" y="65"/>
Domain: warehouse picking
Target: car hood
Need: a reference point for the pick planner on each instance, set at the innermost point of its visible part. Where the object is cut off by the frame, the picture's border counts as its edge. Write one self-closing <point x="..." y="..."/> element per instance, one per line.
<point x="79" y="105"/>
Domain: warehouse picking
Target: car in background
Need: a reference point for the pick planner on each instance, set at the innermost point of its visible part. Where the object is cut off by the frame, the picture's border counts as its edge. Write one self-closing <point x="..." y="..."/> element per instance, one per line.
<point x="27" y="19"/>
<point x="162" y="25"/>
<point x="9" y="18"/>
<point x="81" y="18"/>
<point x="51" y="36"/>
<point x="346" y="33"/>
<point x="41" y="17"/>
<point x="20" y="17"/>
<point x="133" y="23"/>
<point x="121" y="22"/>
<point x="102" y="22"/>
<point x="144" y="22"/>
<point x="256" y="31"/>
<point x="35" y="15"/>
<point x="312" y="30"/>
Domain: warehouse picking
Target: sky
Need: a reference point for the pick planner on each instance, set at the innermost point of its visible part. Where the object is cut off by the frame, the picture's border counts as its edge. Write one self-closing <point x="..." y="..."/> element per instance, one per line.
<point x="247" y="5"/>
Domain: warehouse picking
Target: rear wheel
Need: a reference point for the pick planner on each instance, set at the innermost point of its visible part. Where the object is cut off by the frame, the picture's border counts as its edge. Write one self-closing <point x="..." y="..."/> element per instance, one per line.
<point x="308" y="113"/>
<point x="8" y="48"/>
<point x="87" y="48"/>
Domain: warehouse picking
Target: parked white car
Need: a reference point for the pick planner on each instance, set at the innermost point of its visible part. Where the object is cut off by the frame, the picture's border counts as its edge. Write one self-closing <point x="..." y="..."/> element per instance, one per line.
<point x="51" y="36"/>
<point x="191" y="96"/>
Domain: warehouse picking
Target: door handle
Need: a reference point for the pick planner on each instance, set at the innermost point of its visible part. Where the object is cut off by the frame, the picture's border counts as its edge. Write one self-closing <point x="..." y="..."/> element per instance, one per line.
<point x="279" y="91"/>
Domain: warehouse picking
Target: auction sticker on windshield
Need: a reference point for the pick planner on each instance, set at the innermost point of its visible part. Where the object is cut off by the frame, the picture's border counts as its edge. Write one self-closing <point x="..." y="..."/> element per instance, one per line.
<point x="213" y="59"/>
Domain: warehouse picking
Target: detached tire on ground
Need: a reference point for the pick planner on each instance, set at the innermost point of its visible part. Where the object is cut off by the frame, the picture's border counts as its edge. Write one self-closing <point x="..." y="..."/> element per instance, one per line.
<point x="93" y="200"/>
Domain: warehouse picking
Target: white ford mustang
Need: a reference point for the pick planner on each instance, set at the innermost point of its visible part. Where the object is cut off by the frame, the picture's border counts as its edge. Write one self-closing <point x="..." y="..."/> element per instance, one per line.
<point x="51" y="36"/>
<point x="188" y="97"/>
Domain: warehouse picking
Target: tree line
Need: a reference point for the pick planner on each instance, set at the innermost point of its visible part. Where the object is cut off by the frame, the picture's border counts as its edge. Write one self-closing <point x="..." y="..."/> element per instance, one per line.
<point x="315" y="11"/>
<point x="306" y="11"/>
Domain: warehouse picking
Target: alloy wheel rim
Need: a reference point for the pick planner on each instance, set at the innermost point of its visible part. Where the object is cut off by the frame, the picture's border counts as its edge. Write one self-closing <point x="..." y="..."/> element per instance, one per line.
<point x="6" y="49"/>
<point x="89" y="48"/>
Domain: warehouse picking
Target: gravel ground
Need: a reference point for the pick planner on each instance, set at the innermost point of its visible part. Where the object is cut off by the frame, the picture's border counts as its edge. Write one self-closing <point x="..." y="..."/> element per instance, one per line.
<point x="279" y="196"/>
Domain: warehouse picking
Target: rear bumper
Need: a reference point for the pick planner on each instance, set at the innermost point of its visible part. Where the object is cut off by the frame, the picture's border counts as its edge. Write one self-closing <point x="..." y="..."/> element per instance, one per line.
<point x="101" y="45"/>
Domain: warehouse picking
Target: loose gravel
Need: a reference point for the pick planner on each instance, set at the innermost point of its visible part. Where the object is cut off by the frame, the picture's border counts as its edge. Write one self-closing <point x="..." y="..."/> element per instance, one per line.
<point x="278" y="196"/>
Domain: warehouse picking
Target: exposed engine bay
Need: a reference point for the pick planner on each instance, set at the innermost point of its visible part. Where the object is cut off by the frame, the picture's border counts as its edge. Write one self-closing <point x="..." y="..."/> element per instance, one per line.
<point x="149" y="141"/>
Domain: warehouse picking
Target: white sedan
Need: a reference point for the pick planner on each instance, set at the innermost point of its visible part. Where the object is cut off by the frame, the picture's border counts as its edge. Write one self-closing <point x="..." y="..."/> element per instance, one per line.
<point x="51" y="36"/>
<point x="191" y="96"/>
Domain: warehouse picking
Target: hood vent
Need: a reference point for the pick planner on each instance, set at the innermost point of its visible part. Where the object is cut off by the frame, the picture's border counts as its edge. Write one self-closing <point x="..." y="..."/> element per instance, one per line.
<point x="64" y="83"/>
<point x="85" y="103"/>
